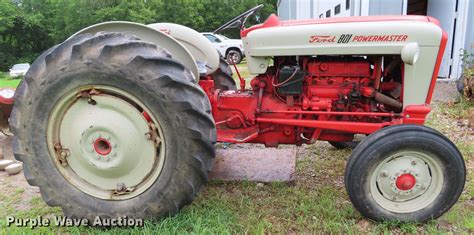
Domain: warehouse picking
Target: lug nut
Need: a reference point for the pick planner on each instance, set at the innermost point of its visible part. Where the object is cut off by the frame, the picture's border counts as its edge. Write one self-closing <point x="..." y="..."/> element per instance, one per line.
<point x="148" y="136"/>
<point x="384" y="174"/>
<point x="64" y="153"/>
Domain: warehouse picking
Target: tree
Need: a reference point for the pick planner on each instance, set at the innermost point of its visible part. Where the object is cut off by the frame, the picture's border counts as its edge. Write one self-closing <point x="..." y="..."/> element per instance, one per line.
<point x="28" y="27"/>
<point x="22" y="36"/>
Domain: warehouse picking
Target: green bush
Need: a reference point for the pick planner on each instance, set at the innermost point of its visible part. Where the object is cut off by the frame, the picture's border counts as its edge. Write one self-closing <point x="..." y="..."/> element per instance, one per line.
<point x="4" y="76"/>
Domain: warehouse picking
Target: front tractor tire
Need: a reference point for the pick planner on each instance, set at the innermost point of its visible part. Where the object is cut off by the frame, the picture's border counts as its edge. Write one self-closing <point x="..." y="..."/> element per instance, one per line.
<point x="405" y="173"/>
<point x="108" y="125"/>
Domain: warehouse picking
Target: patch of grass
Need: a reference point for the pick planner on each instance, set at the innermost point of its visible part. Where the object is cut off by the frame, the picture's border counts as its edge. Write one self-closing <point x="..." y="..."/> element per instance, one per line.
<point x="4" y="75"/>
<point x="209" y="214"/>
<point x="458" y="110"/>
<point x="7" y="81"/>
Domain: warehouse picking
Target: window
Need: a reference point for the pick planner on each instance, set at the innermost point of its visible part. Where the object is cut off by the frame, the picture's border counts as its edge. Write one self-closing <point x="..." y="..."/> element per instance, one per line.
<point x="348" y="4"/>
<point x="337" y="9"/>
<point x="212" y="38"/>
<point x="328" y="13"/>
<point x="321" y="16"/>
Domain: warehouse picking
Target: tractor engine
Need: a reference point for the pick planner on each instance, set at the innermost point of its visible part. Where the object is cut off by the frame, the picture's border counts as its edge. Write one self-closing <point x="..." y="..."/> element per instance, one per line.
<point x="297" y="96"/>
<point x="343" y="84"/>
<point x="326" y="84"/>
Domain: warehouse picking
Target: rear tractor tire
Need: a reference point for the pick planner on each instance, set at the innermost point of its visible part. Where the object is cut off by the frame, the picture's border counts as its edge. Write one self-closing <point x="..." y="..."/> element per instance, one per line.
<point x="108" y="125"/>
<point x="405" y="173"/>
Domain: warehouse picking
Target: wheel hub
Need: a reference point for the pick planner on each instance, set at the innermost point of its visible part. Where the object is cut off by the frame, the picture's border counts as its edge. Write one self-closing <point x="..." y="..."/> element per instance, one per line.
<point x="405" y="182"/>
<point x="403" y="178"/>
<point x="98" y="146"/>
<point x="102" y="146"/>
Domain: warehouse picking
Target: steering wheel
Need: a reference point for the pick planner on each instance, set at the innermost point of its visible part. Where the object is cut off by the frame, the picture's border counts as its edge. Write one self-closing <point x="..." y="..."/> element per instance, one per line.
<point x="240" y="20"/>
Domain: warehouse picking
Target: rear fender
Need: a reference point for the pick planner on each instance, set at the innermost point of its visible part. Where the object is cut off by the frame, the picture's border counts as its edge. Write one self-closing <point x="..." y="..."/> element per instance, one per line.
<point x="148" y="34"/>
<point x="201" y="49"/>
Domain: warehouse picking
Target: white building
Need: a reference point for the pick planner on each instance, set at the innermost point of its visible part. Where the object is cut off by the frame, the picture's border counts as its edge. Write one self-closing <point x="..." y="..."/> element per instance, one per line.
<point x="456" y="18"/>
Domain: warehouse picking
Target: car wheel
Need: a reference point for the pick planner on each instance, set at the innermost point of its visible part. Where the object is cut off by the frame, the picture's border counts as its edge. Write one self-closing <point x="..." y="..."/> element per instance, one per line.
<point x="234" y="57"/>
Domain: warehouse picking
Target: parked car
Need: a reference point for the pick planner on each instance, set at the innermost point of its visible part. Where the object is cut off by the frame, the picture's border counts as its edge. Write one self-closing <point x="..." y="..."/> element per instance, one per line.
<point x="19" y="70"/>
<point x="231" y="49"/>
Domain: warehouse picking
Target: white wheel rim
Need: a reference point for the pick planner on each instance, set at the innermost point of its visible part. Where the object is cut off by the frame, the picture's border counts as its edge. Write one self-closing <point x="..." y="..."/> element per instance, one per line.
<point x="111" y="149"/>
<point x="407" y="181"/>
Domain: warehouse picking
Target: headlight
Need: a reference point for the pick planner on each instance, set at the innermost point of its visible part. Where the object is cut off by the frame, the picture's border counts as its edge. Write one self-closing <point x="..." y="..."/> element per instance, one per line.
<point x="410" y="53"/>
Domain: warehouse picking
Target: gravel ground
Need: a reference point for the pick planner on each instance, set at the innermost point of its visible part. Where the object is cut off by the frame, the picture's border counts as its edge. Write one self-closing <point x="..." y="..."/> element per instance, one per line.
<point x="11" y="183"/>
<point x="446" y="92"/>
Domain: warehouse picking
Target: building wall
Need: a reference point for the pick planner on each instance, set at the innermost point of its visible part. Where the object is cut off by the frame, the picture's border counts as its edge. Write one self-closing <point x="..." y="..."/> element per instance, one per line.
<point x="384" y="7"/>
<point x="311" y="9"/>
<point x="287" y="10"/>
<point x="469" y="44"/>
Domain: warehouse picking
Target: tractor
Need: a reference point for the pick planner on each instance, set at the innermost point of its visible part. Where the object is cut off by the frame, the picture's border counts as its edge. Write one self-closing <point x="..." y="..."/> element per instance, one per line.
<point x="121" y="119"/>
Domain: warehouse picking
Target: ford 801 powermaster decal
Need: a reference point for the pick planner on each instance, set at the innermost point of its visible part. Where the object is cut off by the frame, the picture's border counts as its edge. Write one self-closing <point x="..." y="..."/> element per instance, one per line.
<point x="346" y="38"/>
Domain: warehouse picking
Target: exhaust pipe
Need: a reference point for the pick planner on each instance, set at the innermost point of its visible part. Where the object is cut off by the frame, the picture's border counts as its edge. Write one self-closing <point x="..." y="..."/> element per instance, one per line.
<point x="387" y="100"/>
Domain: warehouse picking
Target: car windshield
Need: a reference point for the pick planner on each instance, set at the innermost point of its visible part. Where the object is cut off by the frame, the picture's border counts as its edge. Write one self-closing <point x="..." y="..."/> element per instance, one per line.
<point x="212" y="38"/>
<point x="222" y="37"/>
<point x="21" y="66"/>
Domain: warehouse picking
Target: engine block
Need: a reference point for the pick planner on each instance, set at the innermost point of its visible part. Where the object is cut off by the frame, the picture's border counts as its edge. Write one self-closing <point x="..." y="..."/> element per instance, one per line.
<point x="297" y="99"/>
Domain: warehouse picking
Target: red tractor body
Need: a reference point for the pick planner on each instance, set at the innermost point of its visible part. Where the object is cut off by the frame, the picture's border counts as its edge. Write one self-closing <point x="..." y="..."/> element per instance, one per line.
<point x="307" y="98"/>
